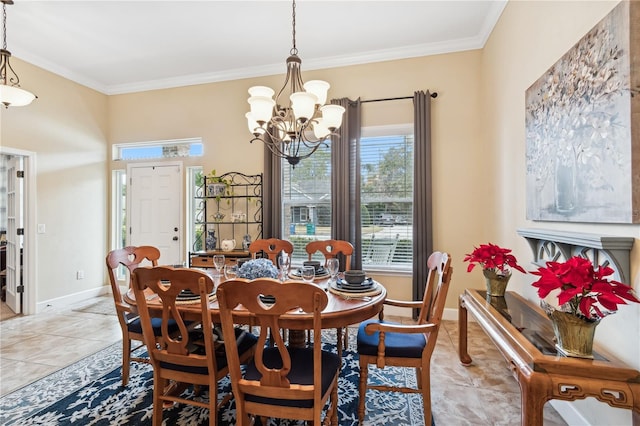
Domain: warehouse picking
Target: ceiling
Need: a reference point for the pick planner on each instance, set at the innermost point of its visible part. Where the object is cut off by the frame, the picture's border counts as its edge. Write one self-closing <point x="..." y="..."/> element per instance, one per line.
<point x="127" y="46"/>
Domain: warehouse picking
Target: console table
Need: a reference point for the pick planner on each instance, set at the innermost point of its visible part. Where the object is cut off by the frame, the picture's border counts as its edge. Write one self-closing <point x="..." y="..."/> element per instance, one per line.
<point x="523" y="334"/>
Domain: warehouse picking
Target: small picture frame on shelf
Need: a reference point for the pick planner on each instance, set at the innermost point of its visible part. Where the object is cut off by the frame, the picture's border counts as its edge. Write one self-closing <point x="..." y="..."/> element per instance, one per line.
<point x="215" y="189"/>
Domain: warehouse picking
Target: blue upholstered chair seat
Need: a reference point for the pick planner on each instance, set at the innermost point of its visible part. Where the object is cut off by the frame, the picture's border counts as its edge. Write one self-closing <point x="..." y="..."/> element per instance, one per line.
<point x="244" y="340"/>
<point x="135" y="326"/>
<point x="404" y="345"/>
<point x="301" y="373"/>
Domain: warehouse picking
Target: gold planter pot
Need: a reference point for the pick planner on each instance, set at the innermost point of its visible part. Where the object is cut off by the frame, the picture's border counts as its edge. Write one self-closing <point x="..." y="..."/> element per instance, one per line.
<point x="574" y="335"/>
<point x="496" y="284"/>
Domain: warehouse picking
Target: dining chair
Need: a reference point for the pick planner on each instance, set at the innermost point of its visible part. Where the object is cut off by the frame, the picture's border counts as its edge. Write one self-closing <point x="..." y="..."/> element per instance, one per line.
<point x="130" y="257"/>
<point x="280" y="381"/>
<point x="342" y="250"/>
<point x="383" y="343"/>
<point x="271" y="247"/>
<point x="332" y="249"/>
<point x="190" y="356"/>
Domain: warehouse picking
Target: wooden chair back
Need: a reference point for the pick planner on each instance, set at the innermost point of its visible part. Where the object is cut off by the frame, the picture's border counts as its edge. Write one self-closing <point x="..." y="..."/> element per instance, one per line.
<point x="332" y="249"/>
<point x="436" y="288"/>
<point x="180" y="356"/>
<point x="272" y="380"/>
<point x="130" y="257"/>
<point x="271" y="247"/>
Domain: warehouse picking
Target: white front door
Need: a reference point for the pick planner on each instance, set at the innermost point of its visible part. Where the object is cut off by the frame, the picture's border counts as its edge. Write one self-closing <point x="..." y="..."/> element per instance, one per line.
<point x="154" y="197"/>
<point x="14" y="235"/>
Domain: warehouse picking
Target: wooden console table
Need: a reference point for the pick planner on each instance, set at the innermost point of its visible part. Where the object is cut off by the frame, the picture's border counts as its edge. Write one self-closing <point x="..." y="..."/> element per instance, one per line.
<point x="523" y="334"/>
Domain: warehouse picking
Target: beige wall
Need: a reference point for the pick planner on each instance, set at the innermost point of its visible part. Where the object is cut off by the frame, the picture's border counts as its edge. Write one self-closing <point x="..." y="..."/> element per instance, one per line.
<point x="67" y="129"/>
<point x="215" y="112"/>
<point x="529" y="38"/>
<point x="478" y="151"/>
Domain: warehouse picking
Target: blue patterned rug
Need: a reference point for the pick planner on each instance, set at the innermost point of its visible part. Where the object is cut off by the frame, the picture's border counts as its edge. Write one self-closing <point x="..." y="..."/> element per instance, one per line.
<point x="89" y="392"/>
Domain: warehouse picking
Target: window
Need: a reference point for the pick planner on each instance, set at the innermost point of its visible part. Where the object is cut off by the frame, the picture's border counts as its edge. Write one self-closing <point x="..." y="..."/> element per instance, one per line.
<point x="306" y="198"/>
<point x="158" y="149"/>
<point x="386" y="194"/>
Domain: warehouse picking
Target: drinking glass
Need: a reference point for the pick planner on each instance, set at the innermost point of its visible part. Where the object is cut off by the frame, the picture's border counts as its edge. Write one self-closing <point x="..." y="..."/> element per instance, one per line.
<point x="218" y="262"/>
<point x="284" y="262"/>
<point x="230" y="271"/>
<point x="308" y="273"/>
<point x="332" y="266"/>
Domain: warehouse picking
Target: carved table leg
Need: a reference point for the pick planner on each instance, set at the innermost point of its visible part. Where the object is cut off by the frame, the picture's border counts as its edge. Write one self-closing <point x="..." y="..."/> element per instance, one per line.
<point x="533" y="393"/>
<point x="465" y="359"/>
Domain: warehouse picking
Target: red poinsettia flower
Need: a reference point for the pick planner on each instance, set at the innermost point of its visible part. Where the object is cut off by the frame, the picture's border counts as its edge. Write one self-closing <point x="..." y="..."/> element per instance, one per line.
<point x="583" y="290"/>
<point x="493" y="257"/>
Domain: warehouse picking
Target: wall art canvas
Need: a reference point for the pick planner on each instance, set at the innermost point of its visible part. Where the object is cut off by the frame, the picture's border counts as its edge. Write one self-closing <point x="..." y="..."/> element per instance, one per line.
<point x="583" y="127"/>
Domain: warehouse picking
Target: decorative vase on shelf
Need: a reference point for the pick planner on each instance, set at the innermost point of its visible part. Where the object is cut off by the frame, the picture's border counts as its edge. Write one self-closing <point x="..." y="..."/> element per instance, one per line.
<point x="211" y="240"/>
<point x="573" y="334"/>
<point x="496" y="283"/>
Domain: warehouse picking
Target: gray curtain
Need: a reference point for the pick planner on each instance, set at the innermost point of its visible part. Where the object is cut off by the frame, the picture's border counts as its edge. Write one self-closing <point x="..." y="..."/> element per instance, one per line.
<point x="345" y="180"/>
<point x="422" y="203"/>
<point x="272" y="195"/>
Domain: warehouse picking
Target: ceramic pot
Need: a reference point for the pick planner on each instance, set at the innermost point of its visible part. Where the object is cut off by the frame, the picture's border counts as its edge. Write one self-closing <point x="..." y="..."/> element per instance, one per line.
<point x="228" y="245"/>
<point x="496" y="283"/>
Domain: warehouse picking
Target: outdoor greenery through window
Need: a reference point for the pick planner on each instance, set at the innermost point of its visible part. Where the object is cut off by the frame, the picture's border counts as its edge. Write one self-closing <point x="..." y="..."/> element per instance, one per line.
<point x="386" y="201"/>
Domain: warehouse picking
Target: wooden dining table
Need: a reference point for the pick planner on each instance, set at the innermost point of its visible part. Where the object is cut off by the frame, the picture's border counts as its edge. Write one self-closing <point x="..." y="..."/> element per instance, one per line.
<point x="342" y="310"/>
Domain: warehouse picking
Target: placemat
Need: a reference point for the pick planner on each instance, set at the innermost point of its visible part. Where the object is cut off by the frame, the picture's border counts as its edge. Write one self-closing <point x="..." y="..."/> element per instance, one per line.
<point x="376" y="290"/>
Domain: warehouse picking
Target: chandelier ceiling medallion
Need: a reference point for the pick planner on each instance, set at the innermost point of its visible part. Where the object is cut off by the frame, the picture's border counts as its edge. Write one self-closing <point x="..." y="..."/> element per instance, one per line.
<point x="10" y="92"/>
<point x="297" y="122"/>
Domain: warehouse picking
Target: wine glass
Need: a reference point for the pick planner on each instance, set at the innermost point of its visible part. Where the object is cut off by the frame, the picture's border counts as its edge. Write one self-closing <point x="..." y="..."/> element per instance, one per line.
<point x="218" y="262"/>
<point x="230" y="271"/>
<point x="308" y="274"/>
<point x="333" y="265"/>
<point x="284" y="262"/>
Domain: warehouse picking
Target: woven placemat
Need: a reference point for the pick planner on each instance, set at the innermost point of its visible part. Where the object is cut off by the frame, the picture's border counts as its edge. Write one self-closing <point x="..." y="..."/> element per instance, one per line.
<point x="376" y="290"/>
<point x="212" y="297"/>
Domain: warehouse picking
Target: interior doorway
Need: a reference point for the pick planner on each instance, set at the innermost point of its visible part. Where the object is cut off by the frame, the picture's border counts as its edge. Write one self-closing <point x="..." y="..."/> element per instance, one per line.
<point x="17" y="225"/>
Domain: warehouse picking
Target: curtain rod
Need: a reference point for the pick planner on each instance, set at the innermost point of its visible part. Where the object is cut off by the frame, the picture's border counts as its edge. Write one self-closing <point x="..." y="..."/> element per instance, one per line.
<point x="433" y="95"/>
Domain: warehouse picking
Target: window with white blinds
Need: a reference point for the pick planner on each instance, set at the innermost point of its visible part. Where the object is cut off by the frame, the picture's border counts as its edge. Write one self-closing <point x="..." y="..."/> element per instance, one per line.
<point x="386" y="193"/>
<point x="386" y="196"/>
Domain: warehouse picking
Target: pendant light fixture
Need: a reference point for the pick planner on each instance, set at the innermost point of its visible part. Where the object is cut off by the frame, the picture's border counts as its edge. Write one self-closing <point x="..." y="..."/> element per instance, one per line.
<point x="297" y="122"/>
<point x="10" y="92"/>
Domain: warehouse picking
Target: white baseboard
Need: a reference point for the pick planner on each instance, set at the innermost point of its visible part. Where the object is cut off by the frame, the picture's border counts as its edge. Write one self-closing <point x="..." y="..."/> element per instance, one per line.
<point x="452" y="315"/>
<point x="70" y="299"/>
<point x="568" y="412"/>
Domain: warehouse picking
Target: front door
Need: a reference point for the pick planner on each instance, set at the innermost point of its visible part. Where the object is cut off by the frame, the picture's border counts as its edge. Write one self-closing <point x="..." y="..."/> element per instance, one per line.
<point x="14" y="235"/>
<point x="154" y="197"/>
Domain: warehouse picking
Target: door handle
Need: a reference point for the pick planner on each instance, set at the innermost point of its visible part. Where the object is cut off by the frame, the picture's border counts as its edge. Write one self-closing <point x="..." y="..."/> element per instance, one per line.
<point x="175" y="229"/>
<point x="175" y="238"/>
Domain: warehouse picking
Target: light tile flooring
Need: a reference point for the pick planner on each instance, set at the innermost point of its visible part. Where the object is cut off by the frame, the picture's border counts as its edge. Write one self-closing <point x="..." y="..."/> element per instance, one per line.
<point x="485" y="393"/>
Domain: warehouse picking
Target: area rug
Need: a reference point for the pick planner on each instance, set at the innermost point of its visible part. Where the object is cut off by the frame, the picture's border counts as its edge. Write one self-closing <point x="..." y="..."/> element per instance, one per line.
<point x="90" y="392"/>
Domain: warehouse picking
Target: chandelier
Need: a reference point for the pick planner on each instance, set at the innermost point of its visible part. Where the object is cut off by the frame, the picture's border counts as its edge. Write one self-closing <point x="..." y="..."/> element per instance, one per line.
<point x="10" y="92"/>
<point x="297" y="122"/>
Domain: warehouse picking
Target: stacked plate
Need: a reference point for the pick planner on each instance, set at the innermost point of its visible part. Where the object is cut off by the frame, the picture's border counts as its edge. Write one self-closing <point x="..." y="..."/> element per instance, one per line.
<point x="365" y="286"/>
<point x="320" y="273"/>
<point x="188" y="295"/>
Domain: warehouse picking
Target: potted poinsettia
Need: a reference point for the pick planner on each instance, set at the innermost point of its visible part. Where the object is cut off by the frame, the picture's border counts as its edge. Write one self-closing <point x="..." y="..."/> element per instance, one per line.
<point x="585" y="296"/>
<point x="496" y="263"/>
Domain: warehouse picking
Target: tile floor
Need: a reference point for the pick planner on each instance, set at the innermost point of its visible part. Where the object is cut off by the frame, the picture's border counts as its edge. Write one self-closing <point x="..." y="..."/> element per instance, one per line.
<point x="485" y="393"/>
